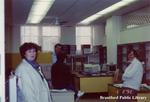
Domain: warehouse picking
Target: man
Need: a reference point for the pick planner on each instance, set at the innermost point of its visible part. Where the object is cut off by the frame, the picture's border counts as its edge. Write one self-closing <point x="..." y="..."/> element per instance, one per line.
<point x="61" y="76"/>
<point x="57" y="50"/>
<point x="132" y="78"/>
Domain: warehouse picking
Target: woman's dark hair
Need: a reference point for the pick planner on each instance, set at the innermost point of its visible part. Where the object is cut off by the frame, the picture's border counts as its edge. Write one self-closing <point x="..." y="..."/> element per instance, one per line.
<point x="26" y="46"/>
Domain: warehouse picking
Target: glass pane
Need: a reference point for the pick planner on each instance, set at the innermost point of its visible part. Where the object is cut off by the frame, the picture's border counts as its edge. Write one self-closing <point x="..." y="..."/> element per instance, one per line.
<point x="30" y="39"/>
<point x="34" y="30"/>
<point x="83" y="36"/>
<point x="45" y="31"/>
<point x="83" y="31"/>
<point x="22" y="39"/>
<point x="22" y="30"/>
<point x="26" y="39"/>
<point x="51" y="31"/>
<point x="49" y="43"/>
<point x="26" y="30"/>
<point x="34" y="39"/>
<point x="82" y="40"/>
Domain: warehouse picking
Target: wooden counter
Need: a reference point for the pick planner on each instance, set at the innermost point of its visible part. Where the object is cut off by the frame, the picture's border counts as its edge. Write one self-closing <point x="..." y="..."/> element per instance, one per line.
<point x="92" y="84"/>
<point x="114" y="91"/>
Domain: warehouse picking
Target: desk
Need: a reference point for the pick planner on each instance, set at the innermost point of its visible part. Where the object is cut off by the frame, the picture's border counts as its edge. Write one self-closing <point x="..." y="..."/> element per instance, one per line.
<point x="92" y="84"/>
<point x="114" y="91"/>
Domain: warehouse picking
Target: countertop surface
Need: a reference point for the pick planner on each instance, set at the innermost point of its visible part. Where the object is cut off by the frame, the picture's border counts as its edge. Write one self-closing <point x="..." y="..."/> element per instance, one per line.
<point x="143" y="89"/>
<point x="83" y="74"/>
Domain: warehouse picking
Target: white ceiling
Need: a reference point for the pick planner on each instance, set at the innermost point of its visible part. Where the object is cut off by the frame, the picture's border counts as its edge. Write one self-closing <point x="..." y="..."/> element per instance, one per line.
<point x="68" y="12"/>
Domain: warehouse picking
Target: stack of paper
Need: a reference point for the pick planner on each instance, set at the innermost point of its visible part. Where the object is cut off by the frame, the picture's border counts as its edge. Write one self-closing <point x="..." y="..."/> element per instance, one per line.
<point x="117" y="85"/>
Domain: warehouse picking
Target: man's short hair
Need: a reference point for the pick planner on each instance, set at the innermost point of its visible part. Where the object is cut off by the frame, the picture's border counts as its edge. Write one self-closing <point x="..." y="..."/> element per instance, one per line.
<point x="58" y="44"/>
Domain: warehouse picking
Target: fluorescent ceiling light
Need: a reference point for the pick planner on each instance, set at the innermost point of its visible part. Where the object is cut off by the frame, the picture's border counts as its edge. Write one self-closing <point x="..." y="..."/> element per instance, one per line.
<point x="38" y="10"/>
<point x="108" y="10"/>
<point x="90" y="19"/>
<point x="112" y="8"/>
<point x="132" y="26"/>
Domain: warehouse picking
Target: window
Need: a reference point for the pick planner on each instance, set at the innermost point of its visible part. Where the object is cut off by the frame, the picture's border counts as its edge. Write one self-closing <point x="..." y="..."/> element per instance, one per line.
<point x="50" y="36"/>
<point x="83" y="36"/>
<point x="29" y="34"/>
<point x="45" y="36"/>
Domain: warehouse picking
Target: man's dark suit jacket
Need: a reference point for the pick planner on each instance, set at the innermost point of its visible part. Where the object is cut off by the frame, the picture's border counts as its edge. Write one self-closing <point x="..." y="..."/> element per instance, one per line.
<point x="61" y="76"/>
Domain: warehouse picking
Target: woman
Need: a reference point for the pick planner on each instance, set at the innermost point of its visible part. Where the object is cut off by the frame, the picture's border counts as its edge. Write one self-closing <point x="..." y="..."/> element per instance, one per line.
<point x="31" y="85"/>
<point x="132" y="78"/>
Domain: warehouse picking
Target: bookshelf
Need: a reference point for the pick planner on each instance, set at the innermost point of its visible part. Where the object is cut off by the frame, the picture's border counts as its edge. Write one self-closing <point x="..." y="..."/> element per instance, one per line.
<point x="147" y="63"/>
<point x="69" y="49"/>
<point x="102" y="54"/>
<point x="101" y="51"/>
<point x="78" y="62"/>
<point x="86" y="49"/>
